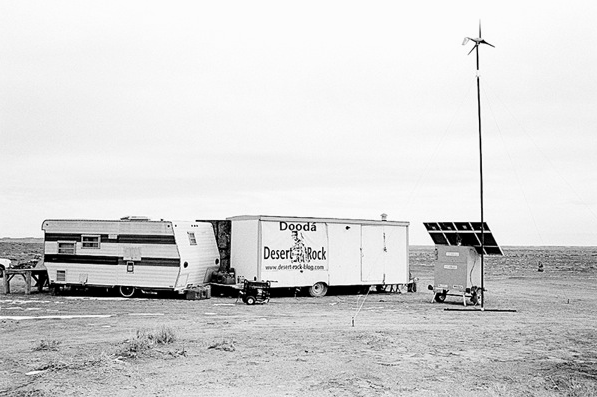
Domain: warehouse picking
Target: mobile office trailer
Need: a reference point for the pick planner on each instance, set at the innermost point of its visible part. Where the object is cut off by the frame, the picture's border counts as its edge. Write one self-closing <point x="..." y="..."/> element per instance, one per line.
<point x="319" y="252"/>
<point x="132" y="253"/>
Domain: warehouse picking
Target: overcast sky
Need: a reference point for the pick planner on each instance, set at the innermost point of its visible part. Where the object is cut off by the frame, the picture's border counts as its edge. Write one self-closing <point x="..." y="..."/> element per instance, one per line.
<point x="204" y="110"/>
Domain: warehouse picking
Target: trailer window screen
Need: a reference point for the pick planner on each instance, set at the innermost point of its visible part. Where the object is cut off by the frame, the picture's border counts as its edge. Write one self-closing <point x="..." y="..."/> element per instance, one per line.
<point x="90" y="241"/>
<point x="192" y="238"/>
<point x="66" y="247"/>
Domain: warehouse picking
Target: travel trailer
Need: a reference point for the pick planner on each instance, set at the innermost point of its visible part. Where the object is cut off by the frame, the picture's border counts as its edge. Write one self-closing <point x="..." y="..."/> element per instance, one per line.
<point x="131" y="254"/>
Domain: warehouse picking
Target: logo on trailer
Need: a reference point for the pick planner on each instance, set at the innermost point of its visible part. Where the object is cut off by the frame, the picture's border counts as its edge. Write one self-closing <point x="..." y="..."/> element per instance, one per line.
<point x="294" y="246"/>
<point x="307" y="227"/>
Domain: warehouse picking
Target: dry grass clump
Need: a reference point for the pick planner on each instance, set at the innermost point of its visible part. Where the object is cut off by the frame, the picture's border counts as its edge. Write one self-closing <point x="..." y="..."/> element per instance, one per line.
<point x="575" y="386"/>
<point x="47" y="345"/>
<point x="224" y="344"/>
<point x="145" y="340"/>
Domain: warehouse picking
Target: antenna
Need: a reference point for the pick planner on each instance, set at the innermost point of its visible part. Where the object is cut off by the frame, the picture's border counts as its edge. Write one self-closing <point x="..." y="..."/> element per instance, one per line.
<point x="478" y="41"/>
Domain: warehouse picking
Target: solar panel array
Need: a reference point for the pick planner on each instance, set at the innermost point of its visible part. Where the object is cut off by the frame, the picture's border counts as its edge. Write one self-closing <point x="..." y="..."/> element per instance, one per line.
<point x="464" y="233"/>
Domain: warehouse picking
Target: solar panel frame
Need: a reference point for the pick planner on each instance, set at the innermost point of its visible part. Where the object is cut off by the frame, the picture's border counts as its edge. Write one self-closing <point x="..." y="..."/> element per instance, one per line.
<point x="465" y="234"/>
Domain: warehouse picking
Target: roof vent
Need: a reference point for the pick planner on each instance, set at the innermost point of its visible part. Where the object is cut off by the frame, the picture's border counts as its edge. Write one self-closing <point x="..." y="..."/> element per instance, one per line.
<point x="384" y="217"/>
<point x="134" y="218"/>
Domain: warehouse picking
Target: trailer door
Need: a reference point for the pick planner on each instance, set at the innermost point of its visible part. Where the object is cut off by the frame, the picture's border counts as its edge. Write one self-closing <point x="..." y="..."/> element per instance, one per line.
<point x="396" y="253"/>
<point x="345" y="254"/>
<point x="374" y="254"/>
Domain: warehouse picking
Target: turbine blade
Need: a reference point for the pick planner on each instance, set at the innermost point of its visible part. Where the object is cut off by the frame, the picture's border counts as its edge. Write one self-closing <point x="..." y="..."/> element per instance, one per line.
<point x="489" y="44"/>
<point x="466" y="39"/>
<point x="469" y="53"/>
<point x="480" y="29"/>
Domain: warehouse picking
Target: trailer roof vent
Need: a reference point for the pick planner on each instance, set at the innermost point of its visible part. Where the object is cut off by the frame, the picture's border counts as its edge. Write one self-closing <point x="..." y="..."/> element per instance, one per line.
<point x="384" y="217"/>
<point x="134" y="218"/>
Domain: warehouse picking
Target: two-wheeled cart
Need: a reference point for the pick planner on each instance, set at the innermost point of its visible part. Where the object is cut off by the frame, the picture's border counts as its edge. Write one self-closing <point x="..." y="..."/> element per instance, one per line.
<point x="459" y="247"/>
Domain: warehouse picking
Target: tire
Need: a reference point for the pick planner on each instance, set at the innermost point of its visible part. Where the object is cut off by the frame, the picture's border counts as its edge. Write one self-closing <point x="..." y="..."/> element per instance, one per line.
<point x="364" y="289"/>
<point x="126" y="292"/>
<point x="250" y="300"/>
<point x="440" y="297"/>
<point x="1" y="271"/>
<point x="476" y="297"/>
<point x="318" y="290"/>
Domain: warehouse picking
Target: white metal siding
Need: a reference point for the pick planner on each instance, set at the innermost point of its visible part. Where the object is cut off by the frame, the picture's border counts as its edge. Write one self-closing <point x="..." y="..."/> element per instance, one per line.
<point x="116" y="249"/>
<point x="244" y="255"/>
<point x="148" y="276"/>
<point x="199" y="257"/>
<point x="375" y="255"/>
<point x="354" y="258"/>
<point x="110" y="275"/>
<point x="385" y="253"/>
<point x="345" y="254"/>
<point x="108" y="227"/>
<point x="143" y="276"/>
<point x="397" y="269"/>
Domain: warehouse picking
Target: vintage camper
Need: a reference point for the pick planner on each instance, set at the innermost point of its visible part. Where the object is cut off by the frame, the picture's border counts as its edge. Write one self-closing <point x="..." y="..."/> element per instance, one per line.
<point x="317" y="253"/>
<point x="133" y="253"/>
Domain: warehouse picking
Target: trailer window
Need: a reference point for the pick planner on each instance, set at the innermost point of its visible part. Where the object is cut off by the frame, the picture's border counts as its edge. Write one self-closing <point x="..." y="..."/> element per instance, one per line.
<point x="90" y="241"/>
<point x="192" y="238"/>
<point x="66" y="247"/>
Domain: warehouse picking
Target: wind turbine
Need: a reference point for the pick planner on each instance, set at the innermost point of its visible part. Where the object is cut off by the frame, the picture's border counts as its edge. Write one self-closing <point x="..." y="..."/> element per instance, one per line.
<point x="478" y="41"/>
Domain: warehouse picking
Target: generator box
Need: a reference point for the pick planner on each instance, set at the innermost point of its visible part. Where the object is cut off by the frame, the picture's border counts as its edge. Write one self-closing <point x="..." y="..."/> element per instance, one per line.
<point x="457" y="268"/>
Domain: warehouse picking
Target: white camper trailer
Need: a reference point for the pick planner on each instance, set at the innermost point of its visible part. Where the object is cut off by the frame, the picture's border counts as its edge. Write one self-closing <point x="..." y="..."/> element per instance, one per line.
<point x="318" y="253"/>
<point x="132" y="253"/>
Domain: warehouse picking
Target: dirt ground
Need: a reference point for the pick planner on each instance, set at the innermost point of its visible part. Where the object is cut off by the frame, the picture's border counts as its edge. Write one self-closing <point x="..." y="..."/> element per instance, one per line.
<point x="400" y="344"/>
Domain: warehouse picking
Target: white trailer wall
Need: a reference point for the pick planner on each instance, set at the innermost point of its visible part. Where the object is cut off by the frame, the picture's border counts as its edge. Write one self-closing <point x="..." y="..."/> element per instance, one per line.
<point x="197" y="248"/>
<point x="338" y="251"/>
<point x="244" y="249"/>
<point x="142" y="254"/>
<point x="345" y="253"/>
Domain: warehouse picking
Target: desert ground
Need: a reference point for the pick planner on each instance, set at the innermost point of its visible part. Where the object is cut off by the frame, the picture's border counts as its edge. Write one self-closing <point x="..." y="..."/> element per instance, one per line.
<point x="381" y="344"/>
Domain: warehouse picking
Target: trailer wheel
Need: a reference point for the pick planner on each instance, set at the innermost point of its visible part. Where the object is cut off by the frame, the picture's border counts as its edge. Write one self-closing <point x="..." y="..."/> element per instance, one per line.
<point x="440" y="297"/>
<point x="363" y="289"/>
<point x="126" y="292"/>
<point x="476" y="297"/>
<point x="250" y="300"/>
<point x="318" y="290"/>
<point x="1" y="271"/>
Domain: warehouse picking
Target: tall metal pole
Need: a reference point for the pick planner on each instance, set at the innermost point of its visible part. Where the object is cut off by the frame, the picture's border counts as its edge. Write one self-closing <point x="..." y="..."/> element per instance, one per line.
<point x="481" y="176"/>
<point x="478" y="41"/>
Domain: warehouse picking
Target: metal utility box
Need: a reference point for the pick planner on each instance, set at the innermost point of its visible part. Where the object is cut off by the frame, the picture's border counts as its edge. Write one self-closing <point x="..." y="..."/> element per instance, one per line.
<point x="458" y="265"/>
<point x="456" y="269"/>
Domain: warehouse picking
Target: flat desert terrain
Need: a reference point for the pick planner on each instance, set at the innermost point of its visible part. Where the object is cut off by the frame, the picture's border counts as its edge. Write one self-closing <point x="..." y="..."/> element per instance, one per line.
<point x="381" y="344"/>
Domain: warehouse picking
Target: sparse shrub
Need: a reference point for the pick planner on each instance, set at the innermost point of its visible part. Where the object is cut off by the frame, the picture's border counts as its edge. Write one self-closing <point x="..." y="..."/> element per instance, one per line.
<point x="224" y="344"/>
<point x="163" y="336"/>
<point x="47" y="345"/>
<point x="144" y="340"/>
<point x="574" y="386"/>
